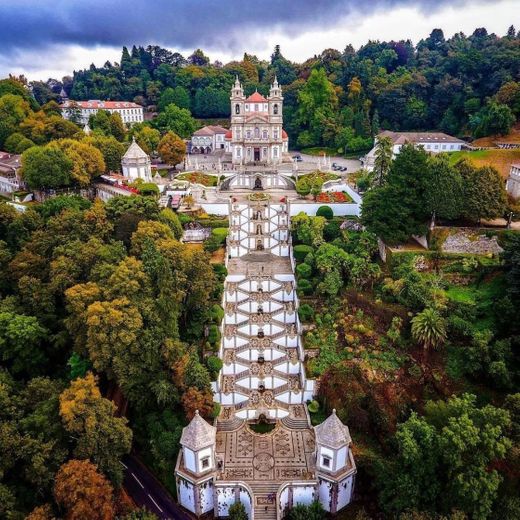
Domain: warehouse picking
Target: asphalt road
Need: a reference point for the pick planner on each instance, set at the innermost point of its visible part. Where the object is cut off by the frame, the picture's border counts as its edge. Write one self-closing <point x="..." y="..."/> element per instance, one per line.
<point x="147" y="492"/>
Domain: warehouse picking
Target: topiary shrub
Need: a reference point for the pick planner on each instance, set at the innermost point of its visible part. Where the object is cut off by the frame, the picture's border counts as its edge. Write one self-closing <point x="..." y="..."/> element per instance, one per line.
<point x="305" y="286"/>
<point x="325" y="211"/>
<point x="214" y="364"/>
<point x="216" y="313"/>
<point x="313" y="406"/>
<point x="306" y="312"/>
<point x="301" y="251"/>
<point x="220" y="232"/>
<point x="213" y="334"/>
<point x="304" y="270"/>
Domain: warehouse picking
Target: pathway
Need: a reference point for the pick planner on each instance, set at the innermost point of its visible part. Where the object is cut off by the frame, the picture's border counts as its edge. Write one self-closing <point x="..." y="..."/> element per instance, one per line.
<point x="263" y="376"/>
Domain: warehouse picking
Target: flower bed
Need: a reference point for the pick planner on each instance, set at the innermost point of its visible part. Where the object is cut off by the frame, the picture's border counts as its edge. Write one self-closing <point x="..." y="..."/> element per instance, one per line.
<point x="334" y="196"/>
<point x="199" y="178"/>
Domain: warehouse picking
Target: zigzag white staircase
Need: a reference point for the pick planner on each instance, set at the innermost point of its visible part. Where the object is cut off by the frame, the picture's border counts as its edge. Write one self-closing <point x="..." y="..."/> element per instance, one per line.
<point x="263" y="372"/>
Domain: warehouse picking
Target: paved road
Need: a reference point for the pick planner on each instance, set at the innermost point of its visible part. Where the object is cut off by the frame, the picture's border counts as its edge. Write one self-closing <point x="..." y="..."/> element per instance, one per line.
<point x="144" y="489"/>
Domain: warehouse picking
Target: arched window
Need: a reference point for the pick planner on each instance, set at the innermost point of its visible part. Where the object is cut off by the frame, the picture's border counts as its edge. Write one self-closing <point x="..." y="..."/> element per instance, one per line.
<point x="275" y="109"/>
<point x="257" y="132"/>
<point x="237" y="109"/>
<point x="264" y="134"/>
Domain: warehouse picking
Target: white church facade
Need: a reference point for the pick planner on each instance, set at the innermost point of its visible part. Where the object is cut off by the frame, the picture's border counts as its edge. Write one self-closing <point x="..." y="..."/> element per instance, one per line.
<point x="256" y="135"/>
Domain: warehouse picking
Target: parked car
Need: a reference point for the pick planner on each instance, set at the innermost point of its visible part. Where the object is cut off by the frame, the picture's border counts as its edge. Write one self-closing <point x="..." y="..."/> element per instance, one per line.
<point x="343" y="169"/>
<point x="297" y="158"/>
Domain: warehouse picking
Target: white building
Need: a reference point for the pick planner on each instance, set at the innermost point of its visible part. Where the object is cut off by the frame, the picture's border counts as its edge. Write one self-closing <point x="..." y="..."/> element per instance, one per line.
<point x="10" y="180"/>
<point x="136" y="163"/>
<point x="208" y="139"/>
<point x="513" y="181"/>
<point x="257" y="136"/>
<point x="130" y="112"/>
<point x="433" y="142"/>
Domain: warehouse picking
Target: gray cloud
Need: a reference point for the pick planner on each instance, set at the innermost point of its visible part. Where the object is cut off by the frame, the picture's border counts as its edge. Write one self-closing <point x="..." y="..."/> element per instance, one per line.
<point x="223" y="25"/>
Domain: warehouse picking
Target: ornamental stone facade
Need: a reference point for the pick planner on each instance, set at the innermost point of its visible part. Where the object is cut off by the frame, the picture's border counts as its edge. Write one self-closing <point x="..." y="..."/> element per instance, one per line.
<point x="256" y="135"/>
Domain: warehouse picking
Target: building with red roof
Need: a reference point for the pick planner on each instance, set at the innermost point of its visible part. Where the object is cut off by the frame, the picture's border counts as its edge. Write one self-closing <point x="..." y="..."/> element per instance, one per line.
<point x="256" y="135"/>
<point x="80" y="111"/>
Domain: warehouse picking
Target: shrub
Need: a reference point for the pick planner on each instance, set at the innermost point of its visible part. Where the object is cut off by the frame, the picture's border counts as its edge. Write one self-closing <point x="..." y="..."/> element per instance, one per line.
<point x="214" y="334"/>
<point x="217" y="313"/>
<point x="305" y="286"/>
<point x="305" y="312"/>
<point x="313" y="406"/>
<point x="214" y="364"/>
<point x="325" y="211"/>
<point x="301" y="251"/>
<point x="220" y="232"/>
<point x="148" y="189"/>
<point x="332" y="230"/>
<point x="304" y="270"/>
<point x="220" y="270"/>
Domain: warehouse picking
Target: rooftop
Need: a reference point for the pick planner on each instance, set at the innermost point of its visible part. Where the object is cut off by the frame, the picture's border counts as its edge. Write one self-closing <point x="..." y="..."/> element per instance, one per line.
<point x="134" y="151"/>
<point x="198" y="434"/>
<point x="419" y="137"/>
<point x="97" y="104"/>
<point x="332" y="432"/>
<point x="256" y="97"/>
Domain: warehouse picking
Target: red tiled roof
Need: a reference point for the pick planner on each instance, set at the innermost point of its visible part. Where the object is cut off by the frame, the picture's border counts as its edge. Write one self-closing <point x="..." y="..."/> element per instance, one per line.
<point x="228" y="135"/>
<point x="284" y="134"/>
<point x="96" y="104"/>
<point x="256" y="97"/>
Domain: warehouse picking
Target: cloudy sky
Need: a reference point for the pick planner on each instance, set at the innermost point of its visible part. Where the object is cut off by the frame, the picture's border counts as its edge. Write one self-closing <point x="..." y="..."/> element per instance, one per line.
<point x="51" y="38"/>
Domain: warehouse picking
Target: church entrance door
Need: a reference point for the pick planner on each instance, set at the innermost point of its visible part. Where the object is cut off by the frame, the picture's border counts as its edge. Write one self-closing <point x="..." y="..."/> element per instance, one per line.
<point x="257" y="154"/>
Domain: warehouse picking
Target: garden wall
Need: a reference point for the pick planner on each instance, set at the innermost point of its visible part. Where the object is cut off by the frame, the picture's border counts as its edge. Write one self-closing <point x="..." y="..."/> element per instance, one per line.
<point x="339" y="209"/>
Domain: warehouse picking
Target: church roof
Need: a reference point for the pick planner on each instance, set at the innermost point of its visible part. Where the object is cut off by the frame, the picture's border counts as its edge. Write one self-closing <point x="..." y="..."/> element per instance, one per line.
<point x="134" y="151"/>
<point x="198" y="434"/>
<point x="210" y="130"/>
<point x="256" y="97"/>
<point x="332" y="432"/>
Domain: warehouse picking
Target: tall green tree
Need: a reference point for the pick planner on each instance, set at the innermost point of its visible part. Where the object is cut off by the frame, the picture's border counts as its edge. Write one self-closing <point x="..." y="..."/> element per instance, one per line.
<point x="383" y="159"/>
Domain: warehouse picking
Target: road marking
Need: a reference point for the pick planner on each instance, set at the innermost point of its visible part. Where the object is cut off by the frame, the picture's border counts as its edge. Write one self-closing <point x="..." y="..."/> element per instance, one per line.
<point x="124" y="465"/>
<point x="138" y="481"/>
<point x="156" y="504"/>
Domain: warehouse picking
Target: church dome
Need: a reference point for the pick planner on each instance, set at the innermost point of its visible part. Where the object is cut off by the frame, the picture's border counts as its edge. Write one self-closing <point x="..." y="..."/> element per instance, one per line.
<point x="198" y="434"/>
<point x="256" y="97"/>
<point x="332" y="432"/>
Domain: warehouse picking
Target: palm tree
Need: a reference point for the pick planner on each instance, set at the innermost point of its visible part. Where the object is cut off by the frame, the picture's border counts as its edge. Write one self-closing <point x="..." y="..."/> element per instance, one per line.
<point x="383" y="159"/>
<point x="429" y="328"/>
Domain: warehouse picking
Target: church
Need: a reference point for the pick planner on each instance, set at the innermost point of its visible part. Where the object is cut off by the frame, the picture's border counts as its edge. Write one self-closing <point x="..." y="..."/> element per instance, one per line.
<point x="256" y="136"/>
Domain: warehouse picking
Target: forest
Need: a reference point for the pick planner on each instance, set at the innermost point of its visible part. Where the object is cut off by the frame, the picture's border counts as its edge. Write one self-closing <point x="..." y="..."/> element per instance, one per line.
<point x="76" y="280"/>
<point x="466" y="86"/>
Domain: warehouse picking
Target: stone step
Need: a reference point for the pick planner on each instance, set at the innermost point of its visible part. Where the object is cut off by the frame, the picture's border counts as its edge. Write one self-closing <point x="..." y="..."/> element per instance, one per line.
<point x="230" y="425"/>
<point x="296" y="424"/>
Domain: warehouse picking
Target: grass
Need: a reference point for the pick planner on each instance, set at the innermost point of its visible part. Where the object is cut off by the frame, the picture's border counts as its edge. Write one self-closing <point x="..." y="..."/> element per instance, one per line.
<point x="319" y="150"/>
<point x="499" y="159"/>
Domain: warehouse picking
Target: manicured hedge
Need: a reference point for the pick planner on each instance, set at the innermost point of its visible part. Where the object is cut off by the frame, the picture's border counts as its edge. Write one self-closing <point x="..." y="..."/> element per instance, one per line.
<point x="325" y="211"/>
<point x="305" y="286"/>
<point x="213" y="222"/>
<point x="301" y="251"/>
<point x="304" y="270"/>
